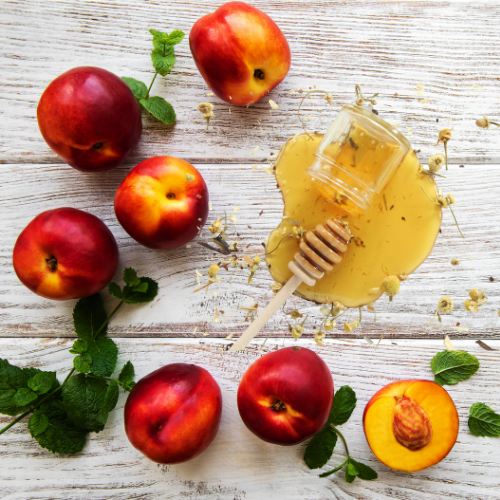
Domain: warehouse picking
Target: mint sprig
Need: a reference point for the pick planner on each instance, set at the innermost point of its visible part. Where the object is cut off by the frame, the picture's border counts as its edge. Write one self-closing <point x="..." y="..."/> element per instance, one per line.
<point x="320" y="448"/>
<point x="483" y="421"/>
<point x="63" y="414"/>
<point x="452" y="367"/>
<point x="163" y="59"/>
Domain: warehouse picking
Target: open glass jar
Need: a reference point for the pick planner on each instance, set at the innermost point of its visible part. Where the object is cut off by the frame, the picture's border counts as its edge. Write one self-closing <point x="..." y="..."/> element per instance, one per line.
<point x="357" y="157"/>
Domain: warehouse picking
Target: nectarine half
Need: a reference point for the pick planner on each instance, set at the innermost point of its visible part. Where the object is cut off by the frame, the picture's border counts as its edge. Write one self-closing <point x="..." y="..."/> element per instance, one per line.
<point x="411" y="425"/>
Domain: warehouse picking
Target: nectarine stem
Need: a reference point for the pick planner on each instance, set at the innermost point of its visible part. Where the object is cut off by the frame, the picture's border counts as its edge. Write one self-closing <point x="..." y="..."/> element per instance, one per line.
<point x="52" y="263"/>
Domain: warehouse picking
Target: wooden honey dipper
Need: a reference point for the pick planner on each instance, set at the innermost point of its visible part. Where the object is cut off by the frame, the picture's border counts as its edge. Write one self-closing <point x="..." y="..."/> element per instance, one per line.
<point x="320" y="251"/>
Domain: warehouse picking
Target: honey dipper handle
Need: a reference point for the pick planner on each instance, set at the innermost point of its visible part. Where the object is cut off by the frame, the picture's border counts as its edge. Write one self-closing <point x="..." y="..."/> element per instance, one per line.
<point x="267" y="313"/>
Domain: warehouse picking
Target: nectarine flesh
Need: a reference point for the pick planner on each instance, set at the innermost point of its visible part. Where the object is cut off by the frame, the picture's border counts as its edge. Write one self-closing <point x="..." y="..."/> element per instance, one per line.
<point x="411" y="425"/>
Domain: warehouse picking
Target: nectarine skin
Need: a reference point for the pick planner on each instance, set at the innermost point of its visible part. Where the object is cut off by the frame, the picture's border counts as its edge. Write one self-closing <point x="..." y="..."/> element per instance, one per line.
<point x="90" y="118"/>
<point x="411" y="425"/>
<point x="162" y="202"/>
<point x="65" y="254"/>
<point x="173" y="414"/>
<point x="240" y="52"/>
<point x="285" y="397"/>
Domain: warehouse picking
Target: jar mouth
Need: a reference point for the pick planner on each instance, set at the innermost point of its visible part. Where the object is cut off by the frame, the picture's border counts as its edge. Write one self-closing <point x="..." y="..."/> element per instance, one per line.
<point x="331" y="183"/>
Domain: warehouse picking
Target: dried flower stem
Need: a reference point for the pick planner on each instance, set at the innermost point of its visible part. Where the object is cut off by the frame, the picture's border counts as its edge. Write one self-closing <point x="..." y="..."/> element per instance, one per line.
<point x="300" y="105"/>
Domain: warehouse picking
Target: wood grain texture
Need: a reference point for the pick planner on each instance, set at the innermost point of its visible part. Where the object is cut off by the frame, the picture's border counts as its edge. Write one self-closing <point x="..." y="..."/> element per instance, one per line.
<point x="387" y="47"/>
<point x="31" y="189"/>
<point x="238" y="465"/>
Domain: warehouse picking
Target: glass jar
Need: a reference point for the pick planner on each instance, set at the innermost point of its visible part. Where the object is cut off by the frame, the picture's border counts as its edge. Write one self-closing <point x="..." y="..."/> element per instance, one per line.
<point x="357" y="157"/>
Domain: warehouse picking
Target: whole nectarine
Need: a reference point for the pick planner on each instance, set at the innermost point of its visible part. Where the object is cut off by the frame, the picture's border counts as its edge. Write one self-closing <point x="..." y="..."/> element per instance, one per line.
<point x="411" y="425"/>
<point x="285" y="397"/>
<point x="240" y="52"/>
<point x="162" y="203"/>
<point x="90" y="118"/>
<point x="173" y="414"/>
<point x="65" y="254"/>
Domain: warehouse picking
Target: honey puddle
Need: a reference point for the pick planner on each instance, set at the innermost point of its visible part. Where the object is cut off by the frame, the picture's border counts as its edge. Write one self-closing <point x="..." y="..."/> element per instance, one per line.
<point x="395" y="240"/>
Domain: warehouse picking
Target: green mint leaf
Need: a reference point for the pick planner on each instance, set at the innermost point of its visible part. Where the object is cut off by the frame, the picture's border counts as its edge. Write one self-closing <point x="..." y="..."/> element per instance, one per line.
<point x="163" y="59"/>
<point x="349" y="477"/>
<point x="141" y="287"/>
<point x="126" y="377"/>
<point x="133" y="297"/>
<point x="320" y="448"/>
<point x="38" y="423"/>
<point x="159" y="39"/>
<point x="130" y="277"/>
<point x="83" y="399"/>
<point x="79" y="347"/>
<point x="115" y="291"/>
<point x="451" y="367"/>
<point x="61" y="434"/>
<point x="351" y="469"/>
<point x="88" y="316"/>
<point x="343" y="405"/>
<point x="83" y="363"/>
<point x="42" y="382"/>
<point x="138" y="88"/>
<point x="483" y="421"/>
<point x="175" y="37"/>
<point x="24" y="396"/>
<point x="13" y="378"/>
<point x="111" y="397"/>
<point x="364" y="472"/>
<point x="104" y="355"/>
<point x="160" y="109"/>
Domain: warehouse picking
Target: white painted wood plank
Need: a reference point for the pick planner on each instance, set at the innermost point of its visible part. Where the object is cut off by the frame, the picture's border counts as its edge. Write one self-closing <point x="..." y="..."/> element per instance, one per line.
<point x="31" y="189"/>
<point x="238" y="465"/>
<point x="387" y="47"/>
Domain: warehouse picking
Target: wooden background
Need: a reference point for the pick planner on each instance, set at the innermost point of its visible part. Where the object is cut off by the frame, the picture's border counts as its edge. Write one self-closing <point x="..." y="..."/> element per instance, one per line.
<point x="434" y="64"/>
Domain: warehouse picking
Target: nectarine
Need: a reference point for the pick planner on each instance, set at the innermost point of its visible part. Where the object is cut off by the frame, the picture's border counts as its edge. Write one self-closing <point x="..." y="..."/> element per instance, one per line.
<point x="65" y="254"/>
<point x="411" y="425"/>
<point x="240" y="52"/>
<point x="285" y="397"/>
<point x="173" y="414"/>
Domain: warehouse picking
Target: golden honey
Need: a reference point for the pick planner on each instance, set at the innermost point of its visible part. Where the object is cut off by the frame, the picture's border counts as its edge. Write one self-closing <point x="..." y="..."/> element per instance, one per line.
<point x="392" y="237"/>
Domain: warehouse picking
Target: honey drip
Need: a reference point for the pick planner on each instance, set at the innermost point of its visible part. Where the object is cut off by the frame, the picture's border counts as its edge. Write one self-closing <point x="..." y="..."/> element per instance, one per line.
<point x="393" y="237"/>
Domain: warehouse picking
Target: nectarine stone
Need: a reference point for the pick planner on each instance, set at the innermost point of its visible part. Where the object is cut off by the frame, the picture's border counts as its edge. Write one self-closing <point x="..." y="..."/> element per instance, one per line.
<point x="411" y="425"/>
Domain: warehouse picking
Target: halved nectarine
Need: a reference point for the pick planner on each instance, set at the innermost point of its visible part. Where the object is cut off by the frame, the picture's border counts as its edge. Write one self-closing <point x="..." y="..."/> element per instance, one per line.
<point x="411" y="425"/>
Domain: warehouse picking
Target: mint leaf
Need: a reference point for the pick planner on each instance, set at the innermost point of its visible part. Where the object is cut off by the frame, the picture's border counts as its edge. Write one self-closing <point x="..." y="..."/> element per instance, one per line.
<point x="88" y="316"/>
<point x="83" y="399"/>
<point x="451" y="367"/>
<point x="163" y="59"/>
<point x="111" y="397"/>
<point x="175" y="37"/>
<point x="115" y="291"/>
<point x="343" y="405"/>
<point x="13" y="378"/>
<point x="126" y="377"/>
<point x="138" y="88"/>
<point x="38" y="423"/>
<point x="61" y="434"/>
<point x="137" y="297"/>
<point x="79" y="347"/>
<point x="483" y="421"/>
<point x="364" y="472"/>
<point x="320" y="448"/>
<point x="83" y="363"/>
<point x="160" y="109"/>
<point x="104" y="354"/>
<point x="141" y="287"/>
<point x="24" y="396"/>
<point x="351" y="471"/>
<point x="159" y="39"/>
<point x="130" y="277"/>
<point x="42" y="382"/>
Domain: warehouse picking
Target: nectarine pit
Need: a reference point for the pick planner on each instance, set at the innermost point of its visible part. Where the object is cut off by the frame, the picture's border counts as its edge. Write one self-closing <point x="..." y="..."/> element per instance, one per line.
<point x="52" y="263"/>
<point x="258" y="73"/>
<point x="411" y="426"/>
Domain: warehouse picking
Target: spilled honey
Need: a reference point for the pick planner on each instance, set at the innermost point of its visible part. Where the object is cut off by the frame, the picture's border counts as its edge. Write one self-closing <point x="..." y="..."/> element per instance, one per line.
<point x="393" y="237"/>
